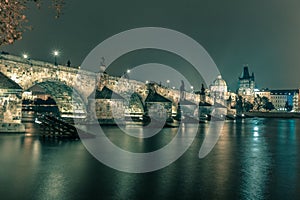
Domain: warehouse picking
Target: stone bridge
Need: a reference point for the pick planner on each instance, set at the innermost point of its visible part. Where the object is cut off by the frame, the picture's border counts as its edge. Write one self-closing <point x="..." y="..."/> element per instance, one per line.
<point x="70" y="93"/>
<point x="126" y="87"/>
<point x="59" y="81"/>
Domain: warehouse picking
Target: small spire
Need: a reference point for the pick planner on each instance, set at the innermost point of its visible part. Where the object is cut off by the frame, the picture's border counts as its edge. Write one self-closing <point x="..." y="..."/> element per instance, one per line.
<point x="246" y="74"/>
<point x="102" y="65"/>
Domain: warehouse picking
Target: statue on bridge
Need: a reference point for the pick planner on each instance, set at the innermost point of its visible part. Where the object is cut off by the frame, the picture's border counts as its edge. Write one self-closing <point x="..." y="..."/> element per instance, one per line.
<point x="102" y="65"/>
<point x="182" y="91"/>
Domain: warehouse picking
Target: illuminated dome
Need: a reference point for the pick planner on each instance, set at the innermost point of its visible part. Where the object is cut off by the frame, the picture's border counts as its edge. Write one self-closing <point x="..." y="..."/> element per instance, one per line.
<point x="219" y="87"/>
<point x="219" y="81"/>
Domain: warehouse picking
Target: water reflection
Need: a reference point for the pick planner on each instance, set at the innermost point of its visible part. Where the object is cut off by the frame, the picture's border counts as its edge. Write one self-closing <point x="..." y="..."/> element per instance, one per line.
<point x="255" y="163"/>
<point x="253" y="159"/>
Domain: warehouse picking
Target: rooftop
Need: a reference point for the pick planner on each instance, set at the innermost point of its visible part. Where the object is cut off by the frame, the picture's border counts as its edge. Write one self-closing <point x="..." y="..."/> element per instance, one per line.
<point x="105" y="93"/>
<point x="154" y="97"/>
<point x="282" y="92"/>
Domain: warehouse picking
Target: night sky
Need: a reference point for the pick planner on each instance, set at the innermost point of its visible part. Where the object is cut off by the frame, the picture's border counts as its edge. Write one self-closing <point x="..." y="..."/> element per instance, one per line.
<point x="263" y="34"/>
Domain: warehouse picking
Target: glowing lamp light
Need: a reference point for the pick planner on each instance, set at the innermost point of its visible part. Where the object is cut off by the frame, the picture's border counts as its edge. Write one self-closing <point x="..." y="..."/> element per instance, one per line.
<point x="25" y="56"/>
<point x="55" y="53"/>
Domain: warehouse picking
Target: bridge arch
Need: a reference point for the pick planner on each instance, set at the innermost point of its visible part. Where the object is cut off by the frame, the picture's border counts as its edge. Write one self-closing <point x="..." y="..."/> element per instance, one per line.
<point x="136" y="103"/>
<point x="68" y="100"/>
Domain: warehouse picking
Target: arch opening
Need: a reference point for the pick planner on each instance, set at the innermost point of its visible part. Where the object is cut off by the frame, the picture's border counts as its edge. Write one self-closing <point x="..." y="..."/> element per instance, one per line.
<point x="63" y="99"/>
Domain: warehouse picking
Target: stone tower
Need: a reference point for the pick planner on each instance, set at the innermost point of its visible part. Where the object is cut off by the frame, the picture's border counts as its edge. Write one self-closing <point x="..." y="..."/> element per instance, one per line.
<point x="246" y="85"/>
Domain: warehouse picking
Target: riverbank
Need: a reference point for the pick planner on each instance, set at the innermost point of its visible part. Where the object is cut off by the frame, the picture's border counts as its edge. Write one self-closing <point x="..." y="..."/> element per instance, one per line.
<point x="273" y="114"/>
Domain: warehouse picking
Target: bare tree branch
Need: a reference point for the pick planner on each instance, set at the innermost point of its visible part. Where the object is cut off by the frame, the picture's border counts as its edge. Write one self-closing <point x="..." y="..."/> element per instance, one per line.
<point x="13" y="18"/>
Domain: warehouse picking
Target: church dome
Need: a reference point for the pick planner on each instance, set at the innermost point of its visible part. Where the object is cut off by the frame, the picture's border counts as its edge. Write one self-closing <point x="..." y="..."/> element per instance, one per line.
<point x="219" y="81"/>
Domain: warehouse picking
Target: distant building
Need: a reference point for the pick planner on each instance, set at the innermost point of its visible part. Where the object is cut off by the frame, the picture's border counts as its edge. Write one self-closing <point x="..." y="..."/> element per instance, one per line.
<point x="246" y="85"/>
<point x="263" y="93"/>
<point x="218" y="89"/>
<point x="285" y="100"/>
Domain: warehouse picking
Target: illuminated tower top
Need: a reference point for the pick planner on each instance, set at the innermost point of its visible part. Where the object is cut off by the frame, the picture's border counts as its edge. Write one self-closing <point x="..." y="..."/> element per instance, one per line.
<point x="246" y="84"/>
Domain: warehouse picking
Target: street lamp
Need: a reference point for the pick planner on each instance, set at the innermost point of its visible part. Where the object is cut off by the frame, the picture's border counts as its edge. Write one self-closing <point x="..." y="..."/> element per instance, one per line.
<point x="126" y="74"/>
<point x="25" y="56"/>
<point x="168" y="81"/>
<point x="55" y="54"/>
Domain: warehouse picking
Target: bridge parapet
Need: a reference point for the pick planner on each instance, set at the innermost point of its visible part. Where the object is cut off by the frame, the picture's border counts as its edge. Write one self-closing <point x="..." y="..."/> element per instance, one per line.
<point x="126" y="87"/>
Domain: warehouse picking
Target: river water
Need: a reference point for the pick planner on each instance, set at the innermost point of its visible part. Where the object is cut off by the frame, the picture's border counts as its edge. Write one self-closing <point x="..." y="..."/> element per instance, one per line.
<point x="253" y="159"/>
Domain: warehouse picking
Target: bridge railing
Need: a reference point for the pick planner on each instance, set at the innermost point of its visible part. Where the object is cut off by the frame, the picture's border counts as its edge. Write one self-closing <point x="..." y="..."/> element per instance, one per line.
<point x="12" y="59"/>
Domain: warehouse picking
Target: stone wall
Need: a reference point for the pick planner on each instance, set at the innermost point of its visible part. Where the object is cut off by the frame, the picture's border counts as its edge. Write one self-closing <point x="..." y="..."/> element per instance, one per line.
<point x="30" y="72"/>
<point x="10" y="106"/>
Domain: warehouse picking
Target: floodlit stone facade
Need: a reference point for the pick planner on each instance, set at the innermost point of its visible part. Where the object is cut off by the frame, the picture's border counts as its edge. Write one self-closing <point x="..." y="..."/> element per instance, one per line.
<point x="10" y="101"/>
<point x="59" y="81"/>
<point x="285" y="100"/>
<point x="219" y="91"/>
<point x="106" y="104"/>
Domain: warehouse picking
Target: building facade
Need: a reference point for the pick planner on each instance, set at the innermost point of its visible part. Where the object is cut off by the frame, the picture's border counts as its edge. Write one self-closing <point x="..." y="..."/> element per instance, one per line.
<point x="285" y="100"/>
<point x="218" y="89"/>
<point x="106" y="105"/>
<point x="263" y="93"/>
<point x="10" y="100"/>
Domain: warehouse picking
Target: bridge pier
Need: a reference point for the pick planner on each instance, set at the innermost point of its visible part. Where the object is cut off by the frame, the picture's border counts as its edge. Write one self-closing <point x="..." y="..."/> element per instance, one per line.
<point x="10" y="106"/>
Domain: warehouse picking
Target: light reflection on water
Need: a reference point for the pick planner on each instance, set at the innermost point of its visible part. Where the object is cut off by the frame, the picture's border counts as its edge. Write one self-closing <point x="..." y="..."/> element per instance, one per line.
<point x="253" y="159"/>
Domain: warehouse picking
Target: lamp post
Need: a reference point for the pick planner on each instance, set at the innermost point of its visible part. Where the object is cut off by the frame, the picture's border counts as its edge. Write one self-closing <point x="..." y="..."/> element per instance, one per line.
<point x="26" y="58"/>
<point x="126" y="74"/>
<point x="55" y="54"/>
<point x="168" y="82"/>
